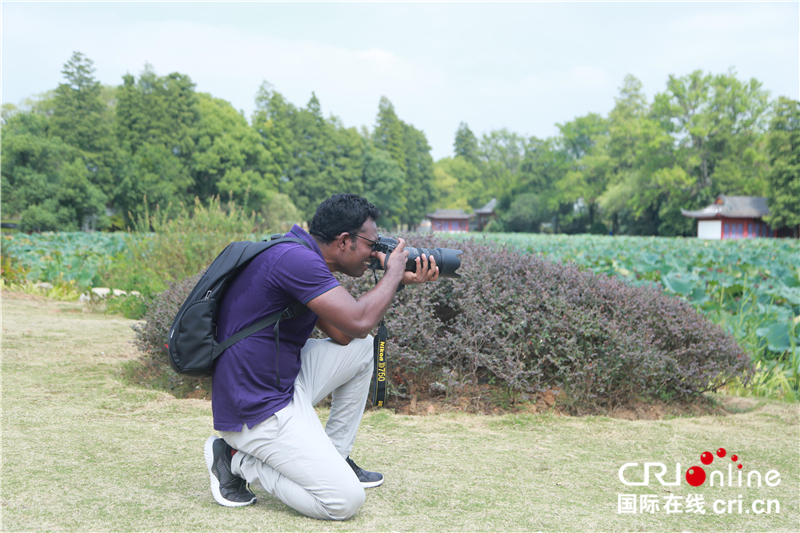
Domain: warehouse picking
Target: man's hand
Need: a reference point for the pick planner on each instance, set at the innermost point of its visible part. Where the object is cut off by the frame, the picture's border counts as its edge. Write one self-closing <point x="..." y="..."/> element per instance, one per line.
<point x="426" y="271"/>
<point x="338" y="310"/>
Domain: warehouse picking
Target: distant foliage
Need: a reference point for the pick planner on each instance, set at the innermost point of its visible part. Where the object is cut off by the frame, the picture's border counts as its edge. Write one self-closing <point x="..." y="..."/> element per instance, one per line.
<point x="163" y="250"/>
<point x="85" y="156"/>
<point x="531" y="324"/>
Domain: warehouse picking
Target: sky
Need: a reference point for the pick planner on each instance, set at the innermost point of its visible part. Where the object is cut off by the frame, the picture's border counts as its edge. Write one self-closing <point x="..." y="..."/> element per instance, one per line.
<point x="522" y="66"/>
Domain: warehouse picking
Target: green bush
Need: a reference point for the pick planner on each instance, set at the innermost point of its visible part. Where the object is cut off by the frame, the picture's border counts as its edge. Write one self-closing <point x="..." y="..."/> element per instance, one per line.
<point x="129" y="306"/>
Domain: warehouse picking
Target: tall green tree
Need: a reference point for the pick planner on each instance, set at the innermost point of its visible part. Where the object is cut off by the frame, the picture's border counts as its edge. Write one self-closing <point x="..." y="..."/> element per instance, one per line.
<point x="229" y="157"/>
<point x="83" y="120"/>
<point x="273" y="121"/>
<point x="389" y="132"/>
<point x="638" y="146"/>
<point x="327" y="158"/>
<point x="153" y="177"/>
<point x="466" y="144"/>
<point x="457" y="181"/>
<point x="409" y="148"/>
<point x="45" y="182"/>
<point x="526" y="213"/>
<point x="585" y="142"/>
<point x="419" y="189"/>
<point x="501" y="156"/>
<point x="384" y="184"/>
<point x="316" y="157"/>
<point x="543" y="166"/>
<point x="154" y="121"/>
<point x="717" y="122"/>
<point x="158" y="110"/>
<point x="784" y="175"/>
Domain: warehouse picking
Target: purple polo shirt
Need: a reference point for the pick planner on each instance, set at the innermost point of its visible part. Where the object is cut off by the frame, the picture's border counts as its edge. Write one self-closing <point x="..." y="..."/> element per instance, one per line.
<point x="244" y="384"/>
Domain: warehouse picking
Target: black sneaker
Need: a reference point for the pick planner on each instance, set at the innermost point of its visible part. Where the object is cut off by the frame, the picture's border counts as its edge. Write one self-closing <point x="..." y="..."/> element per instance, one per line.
<point x="368" y="479"/>
<point x="228" y="490"/>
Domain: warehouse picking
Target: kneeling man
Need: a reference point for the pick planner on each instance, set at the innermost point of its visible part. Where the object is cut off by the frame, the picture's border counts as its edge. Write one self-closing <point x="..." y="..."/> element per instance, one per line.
<point x="264" y="388"/>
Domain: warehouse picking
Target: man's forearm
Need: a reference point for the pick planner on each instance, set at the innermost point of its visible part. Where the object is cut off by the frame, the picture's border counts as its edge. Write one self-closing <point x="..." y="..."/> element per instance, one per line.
<point x="357" y="318"/>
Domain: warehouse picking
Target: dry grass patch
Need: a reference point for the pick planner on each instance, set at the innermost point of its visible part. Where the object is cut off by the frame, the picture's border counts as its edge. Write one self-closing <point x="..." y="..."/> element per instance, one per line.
<point x="83" y="450"/>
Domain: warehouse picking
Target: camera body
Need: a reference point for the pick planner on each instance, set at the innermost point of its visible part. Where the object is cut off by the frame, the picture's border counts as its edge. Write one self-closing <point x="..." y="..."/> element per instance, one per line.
<point x="446" y="259"/>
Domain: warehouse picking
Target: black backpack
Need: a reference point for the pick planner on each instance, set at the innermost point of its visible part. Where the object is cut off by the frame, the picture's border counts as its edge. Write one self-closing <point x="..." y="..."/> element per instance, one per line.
<point x="191" y="346"/>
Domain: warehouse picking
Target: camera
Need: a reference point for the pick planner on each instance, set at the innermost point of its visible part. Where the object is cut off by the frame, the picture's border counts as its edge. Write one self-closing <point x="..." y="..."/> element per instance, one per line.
<point x="446" y="259"/>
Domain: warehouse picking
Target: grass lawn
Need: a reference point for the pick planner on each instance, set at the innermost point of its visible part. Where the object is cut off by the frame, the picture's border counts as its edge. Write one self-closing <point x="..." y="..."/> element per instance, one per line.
<point x="82" y="450"/>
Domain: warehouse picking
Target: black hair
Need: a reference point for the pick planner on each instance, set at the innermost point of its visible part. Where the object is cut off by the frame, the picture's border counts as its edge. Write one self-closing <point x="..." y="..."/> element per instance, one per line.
<point x="341" y="213"/>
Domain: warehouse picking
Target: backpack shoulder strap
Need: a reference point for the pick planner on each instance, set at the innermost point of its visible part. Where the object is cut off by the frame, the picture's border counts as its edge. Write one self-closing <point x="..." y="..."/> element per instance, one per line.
<point x="294" y="310"/>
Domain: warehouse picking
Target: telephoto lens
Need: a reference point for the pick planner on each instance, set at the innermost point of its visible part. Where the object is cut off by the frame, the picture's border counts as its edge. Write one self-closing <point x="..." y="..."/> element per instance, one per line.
<point x="446" y="259"/>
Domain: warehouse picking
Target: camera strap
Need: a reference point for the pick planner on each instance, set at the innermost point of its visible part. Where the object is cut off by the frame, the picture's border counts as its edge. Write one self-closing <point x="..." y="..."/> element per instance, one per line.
<point x="379" y="352"/>
<point x="379" y="356"/>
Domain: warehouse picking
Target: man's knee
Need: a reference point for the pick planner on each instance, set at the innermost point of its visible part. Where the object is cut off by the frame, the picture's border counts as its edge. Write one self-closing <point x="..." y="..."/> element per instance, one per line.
<point x="350" y="498"/>
<point x="365" y="349"/>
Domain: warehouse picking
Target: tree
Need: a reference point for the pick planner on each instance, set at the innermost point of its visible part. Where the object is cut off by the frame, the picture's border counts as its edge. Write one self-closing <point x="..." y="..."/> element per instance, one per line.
<point x="383" y="186"/>
<point x="326" y="158"/>
<point x="388" y="133"/>
<point x="647" y="183"/>
<point x="784" y="176"/>
<point x="466" y="144"/>
<point x="526" y="213"/>
<point x="316" y="157"/>
<point x="154" y="122"/>
<point x="585" y="142"/>
<point x="715" y="121"/>
<point x="501" y="155"/>
<point x="45" y="181"/>
<point x="418" y="187"/>
<point x="457" y="181"/>
<point x="229" y="157"/>
<point x="409" y="148"/>
<point x="82" y="120"/>
<point x="156" y="110"/>
<point x="152" y="177"/>
<point x="543" y="165"/>
<point x="273" y="121"/>
<point x="627" y="122"/>
<point x="279" y="214"/>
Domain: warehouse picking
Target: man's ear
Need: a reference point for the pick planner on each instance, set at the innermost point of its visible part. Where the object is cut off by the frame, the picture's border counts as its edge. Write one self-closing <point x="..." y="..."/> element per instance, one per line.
<point x="341" y="240"/>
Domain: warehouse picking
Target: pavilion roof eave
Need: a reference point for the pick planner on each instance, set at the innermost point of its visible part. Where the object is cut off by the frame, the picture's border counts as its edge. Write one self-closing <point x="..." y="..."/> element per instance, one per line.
<point x="434" y="216"/>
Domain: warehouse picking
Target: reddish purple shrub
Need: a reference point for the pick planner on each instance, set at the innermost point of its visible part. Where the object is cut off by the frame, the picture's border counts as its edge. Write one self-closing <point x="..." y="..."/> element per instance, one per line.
<point x="536" y="324"/>
<point x="151" y="338"/>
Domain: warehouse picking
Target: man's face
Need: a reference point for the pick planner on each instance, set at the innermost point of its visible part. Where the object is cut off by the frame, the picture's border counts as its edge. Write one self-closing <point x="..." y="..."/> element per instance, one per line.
<point x="359" y="253"/>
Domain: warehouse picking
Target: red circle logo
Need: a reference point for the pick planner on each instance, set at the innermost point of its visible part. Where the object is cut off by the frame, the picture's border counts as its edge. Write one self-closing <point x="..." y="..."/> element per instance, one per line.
<point x="695" y="476"/>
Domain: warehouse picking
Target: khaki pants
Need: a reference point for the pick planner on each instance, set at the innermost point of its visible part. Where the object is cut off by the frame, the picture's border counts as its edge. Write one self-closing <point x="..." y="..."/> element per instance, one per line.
<point x="290" y="455"/>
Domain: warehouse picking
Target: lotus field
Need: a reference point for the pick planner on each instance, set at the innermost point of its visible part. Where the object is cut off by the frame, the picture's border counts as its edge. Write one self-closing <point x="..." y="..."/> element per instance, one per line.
<point x="66" y="256"/>
<point x="750" y="287"/>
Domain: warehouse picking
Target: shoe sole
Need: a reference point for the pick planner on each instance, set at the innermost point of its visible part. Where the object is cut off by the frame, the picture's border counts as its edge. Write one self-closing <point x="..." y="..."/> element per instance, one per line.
<point x="371" y="484"/>
<point x="208" y="452"/>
